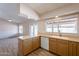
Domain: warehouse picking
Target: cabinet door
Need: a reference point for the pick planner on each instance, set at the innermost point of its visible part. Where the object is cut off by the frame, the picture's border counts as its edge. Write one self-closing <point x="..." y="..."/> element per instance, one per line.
<point x="52" y="45"/>
<point x="77" y="48"/>
<point x="72" y="48"/>
<point x="62" y="47"/>
<point x="27" y="46"/>
<point x="36" y="43"/>
<point x="20" y="47"/>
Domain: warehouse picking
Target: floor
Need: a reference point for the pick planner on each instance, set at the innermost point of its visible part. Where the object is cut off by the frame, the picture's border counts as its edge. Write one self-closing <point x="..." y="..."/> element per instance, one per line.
<point x="41" y="52"/>
<point x="8" y="47"/>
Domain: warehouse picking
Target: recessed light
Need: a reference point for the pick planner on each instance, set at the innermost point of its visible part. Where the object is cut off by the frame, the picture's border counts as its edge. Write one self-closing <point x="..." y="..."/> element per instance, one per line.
<point x="56" y="16"/>
<point x="10" y="20"/>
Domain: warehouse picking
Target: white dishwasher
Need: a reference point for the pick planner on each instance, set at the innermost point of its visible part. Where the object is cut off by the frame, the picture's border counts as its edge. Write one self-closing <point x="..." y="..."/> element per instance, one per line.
<point x="45" y="43"/>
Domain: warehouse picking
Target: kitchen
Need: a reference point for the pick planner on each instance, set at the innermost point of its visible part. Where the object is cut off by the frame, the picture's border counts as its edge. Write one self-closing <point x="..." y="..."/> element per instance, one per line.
<point x="42" y="29"/>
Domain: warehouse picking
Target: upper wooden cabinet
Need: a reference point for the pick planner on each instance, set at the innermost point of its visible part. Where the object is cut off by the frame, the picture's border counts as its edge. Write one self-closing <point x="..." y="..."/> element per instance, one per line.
<point x="35" y="43"/>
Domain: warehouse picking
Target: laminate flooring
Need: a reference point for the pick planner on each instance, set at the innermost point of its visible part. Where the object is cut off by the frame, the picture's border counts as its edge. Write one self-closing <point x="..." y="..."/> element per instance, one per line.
<point x="41" y="52"/>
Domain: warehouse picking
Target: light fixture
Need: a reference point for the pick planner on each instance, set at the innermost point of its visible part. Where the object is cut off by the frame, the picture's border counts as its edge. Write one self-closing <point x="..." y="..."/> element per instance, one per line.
<point x="10" y="20"/>
<point x="56" y="16"/>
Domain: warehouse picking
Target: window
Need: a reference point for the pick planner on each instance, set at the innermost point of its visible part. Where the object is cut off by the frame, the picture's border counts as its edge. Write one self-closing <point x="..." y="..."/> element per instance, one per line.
<point x="55" y="28"/>
<point x="49" y="28"/>
<point x="20" y="29"/>
<point x="33" y="29"/>
<point x="68" y="25"/>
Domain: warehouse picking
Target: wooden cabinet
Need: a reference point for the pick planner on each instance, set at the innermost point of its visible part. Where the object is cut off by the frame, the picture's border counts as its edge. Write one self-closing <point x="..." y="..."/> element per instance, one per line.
<point x="20" y="46"/>
<point x="26" y="46"/>
<point x="52" y="45"/>
<point x="58" y="46"/>
<point x="77" y="48"/>
<point x="35" y="43"/>
<point x="62" y="47"/>
<point x="72" y="48"/>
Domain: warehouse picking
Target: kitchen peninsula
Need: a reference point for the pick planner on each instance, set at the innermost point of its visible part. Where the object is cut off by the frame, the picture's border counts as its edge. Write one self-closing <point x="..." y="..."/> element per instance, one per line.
<point x="64" y="46"/>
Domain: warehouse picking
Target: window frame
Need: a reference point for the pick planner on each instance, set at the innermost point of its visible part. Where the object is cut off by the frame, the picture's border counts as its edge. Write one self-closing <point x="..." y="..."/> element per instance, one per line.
<point x="33" y="25"/>
<point x="70" y="21"/>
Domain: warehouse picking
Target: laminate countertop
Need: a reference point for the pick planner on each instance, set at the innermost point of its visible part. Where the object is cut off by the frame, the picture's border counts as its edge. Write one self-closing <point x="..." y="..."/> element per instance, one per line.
<point x="26" y="37"/>
<point x="76" y="39"/>
<point x="50" y="36"/>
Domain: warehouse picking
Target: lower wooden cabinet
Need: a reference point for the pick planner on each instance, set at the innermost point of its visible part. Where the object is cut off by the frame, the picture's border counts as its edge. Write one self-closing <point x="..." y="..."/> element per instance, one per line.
<point x="77" y="48"/>
<point x="35" y="43"/>
<point x="62" y="47"/>
<point x="28" y="45"/>
<point x="24" y="46"/>
<point x="52" y="45"/>
<point x="72" y="48"/>
<point x="58" y="46"/>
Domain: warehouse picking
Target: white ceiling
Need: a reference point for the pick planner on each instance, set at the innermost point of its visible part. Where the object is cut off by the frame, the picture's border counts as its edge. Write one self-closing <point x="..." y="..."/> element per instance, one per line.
<point x="16" y="12"/>
<point x="42" y="8"/>
<point x="26" y="11"/>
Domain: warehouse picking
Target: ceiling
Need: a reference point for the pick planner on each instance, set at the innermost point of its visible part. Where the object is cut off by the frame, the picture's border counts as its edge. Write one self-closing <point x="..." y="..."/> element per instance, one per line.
<point x="25" y="11"/>
<point x="42" y="8"/>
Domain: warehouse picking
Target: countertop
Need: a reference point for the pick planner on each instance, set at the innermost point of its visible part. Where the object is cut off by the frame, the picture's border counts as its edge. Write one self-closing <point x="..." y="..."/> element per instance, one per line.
<point x="26" y="37"/>
<point x="63" y="38"/>
<point x="50" y="36"/>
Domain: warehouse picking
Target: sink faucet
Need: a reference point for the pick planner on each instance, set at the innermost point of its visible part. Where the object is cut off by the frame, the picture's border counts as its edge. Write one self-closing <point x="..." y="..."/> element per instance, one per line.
<point x="59" y="31"/>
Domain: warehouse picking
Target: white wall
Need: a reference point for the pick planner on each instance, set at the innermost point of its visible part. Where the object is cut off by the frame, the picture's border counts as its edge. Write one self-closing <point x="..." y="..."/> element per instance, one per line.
<point x="30" y="14"/>
<point x="7" y="29"/>
<point x="9" y="10"/>
<point x="41" y="26"/>
<point x="25" y="28"/>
